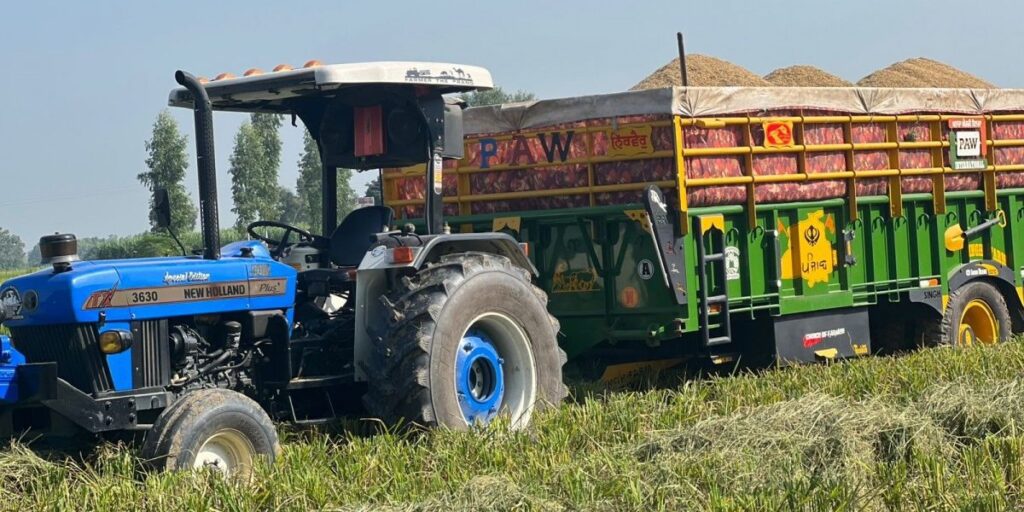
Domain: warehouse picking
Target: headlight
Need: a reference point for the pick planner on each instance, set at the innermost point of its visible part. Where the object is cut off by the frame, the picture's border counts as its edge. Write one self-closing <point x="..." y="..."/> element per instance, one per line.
<point x="112" y="342"/>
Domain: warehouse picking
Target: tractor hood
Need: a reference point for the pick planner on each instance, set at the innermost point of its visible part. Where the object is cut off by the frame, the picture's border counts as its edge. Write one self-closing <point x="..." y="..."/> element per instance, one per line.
<point x="138" y="289"/>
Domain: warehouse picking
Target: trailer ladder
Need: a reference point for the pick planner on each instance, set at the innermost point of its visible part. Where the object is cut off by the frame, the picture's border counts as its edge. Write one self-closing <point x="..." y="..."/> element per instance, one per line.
<point x="713" y="295"/>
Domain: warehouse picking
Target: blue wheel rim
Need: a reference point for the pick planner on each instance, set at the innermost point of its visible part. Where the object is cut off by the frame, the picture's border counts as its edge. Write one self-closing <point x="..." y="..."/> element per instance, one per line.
<point x="479" y="378"/>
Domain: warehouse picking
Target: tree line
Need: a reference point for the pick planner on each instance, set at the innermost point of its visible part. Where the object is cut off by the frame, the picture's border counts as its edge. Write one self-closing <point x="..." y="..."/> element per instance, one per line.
<point x="254" y="166"/>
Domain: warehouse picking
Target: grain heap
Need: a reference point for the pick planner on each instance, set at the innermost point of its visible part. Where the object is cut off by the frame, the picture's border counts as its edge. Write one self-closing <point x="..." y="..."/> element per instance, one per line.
<point x="804" y="76"/>
<point x="701" y="71"/>
<point x="921" y="72"/>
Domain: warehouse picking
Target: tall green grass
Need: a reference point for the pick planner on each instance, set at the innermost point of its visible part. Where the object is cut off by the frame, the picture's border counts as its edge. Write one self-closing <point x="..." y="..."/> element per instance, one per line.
<point x="935" y="430"/>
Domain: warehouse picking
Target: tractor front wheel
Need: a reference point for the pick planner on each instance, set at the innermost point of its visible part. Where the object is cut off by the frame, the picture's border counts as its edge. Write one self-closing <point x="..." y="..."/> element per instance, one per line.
<point x="215" y="429"/>
<point x="466" y="339"/>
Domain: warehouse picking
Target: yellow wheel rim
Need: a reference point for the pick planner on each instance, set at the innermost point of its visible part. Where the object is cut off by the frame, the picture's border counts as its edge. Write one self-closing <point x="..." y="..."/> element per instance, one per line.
<point x="977" y="325"/>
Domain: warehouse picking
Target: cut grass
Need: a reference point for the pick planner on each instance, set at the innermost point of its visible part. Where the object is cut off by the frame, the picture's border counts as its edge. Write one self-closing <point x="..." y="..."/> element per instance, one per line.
<point x="934" y="430"/>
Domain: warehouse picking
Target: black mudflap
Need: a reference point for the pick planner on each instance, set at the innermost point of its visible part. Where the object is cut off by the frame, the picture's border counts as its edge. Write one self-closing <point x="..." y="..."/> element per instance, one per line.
<point x="670" y="253"/>
<point x="823" y="336"/>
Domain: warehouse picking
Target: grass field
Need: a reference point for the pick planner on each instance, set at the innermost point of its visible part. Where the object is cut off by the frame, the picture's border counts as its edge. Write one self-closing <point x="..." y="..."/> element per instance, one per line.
<point x="940" y="429"/>
<point x="7" y="274"/>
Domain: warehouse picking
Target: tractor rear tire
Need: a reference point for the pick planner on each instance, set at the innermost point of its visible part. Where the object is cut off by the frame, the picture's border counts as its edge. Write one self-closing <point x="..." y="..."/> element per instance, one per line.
<point x="976" y="314"/>
<point x="462" y="341"/>
<point x="217" y="429"/>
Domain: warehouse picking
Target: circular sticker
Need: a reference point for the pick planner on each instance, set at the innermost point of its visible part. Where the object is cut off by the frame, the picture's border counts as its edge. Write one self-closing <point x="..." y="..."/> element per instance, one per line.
<point x="629" y="297"/>
<point x="645" y="269"/>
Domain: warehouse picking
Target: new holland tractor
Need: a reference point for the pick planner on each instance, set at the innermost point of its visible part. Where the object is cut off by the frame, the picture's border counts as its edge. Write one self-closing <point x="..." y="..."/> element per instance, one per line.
<point x="198" y="355"/>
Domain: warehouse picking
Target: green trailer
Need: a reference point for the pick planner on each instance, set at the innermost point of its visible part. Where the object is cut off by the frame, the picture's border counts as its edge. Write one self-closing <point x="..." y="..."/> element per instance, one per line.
<point x="796" y="224"/>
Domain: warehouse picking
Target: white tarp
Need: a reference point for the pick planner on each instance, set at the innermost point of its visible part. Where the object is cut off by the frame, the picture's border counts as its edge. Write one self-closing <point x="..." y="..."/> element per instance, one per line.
<point x="722" y="101"/>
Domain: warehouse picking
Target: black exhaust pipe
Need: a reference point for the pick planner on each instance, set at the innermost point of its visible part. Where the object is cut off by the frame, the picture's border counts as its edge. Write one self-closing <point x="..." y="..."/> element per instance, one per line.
<point x="205" y="161"/>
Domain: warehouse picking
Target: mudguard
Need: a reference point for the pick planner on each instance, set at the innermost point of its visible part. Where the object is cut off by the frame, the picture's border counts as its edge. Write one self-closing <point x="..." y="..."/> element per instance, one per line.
<point x="371" y="278"/>
<point x="978" y="269"/>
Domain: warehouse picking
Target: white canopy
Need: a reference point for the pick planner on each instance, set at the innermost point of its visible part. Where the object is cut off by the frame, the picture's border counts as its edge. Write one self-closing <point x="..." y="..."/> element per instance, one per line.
<point x="266" y="91"/>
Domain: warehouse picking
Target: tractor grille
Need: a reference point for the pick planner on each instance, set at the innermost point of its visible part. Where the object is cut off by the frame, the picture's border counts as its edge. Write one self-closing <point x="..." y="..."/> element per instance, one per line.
<point x="151" y="354"/>
<point x="74" y="348"/>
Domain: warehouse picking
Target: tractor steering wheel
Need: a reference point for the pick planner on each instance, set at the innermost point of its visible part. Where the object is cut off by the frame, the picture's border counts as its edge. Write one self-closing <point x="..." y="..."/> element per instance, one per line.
<point x="277" y="247"/>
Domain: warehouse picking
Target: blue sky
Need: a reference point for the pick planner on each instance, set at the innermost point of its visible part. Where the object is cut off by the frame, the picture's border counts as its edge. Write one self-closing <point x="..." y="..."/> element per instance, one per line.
<point x="81" y="82"/>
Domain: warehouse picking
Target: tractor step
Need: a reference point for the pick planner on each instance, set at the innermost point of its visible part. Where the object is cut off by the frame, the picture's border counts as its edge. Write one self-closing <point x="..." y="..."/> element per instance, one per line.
<point x="307" y="419"/>
<point x="718" y="340"/>
<point x="318" y="382"/>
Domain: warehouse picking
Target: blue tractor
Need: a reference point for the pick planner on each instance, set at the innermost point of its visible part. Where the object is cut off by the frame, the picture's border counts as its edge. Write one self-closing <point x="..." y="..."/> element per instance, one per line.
<point x="198" y="355"/>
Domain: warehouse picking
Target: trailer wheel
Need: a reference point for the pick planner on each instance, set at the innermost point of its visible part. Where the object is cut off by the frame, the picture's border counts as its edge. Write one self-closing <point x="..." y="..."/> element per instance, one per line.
<point x="466" y="339"/>
<point x="976" y="314"/>
<point x="214" y="429"/>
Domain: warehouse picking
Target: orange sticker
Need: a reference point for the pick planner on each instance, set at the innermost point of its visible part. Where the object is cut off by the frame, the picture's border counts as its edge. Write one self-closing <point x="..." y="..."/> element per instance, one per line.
<point x="629" y="297"/>
<point x="778" y="134"/>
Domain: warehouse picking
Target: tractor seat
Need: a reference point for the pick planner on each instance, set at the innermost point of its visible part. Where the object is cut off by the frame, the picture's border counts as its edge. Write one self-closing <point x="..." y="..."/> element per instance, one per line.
<point x="354" y="235"/>
<point x="347" y="246"/>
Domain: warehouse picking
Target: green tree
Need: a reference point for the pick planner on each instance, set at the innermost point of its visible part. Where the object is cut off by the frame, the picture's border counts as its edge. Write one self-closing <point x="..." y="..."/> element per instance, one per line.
<point x="86" y="247"/>
<point x="168" y="163"/>
<point x="346" y="196"/>
<point x="245" y="162"/>
<point x="308" y="187"/>
<point x="12" y="251"/>
<point x="268" y="129"/>
<point x="373" y="190"/>
<point x="496" y="96"/>
<point x="147" y="245"/>
<point x="290" y="207"/>
<point x="255" y="161"/>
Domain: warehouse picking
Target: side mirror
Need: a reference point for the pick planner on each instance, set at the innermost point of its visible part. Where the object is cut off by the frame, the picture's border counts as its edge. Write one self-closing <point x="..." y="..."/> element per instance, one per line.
<point x="162" y="208"/>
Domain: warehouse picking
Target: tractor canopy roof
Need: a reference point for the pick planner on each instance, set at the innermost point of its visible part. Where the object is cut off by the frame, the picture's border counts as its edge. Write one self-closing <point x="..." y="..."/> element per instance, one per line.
<point x="270" y="92"/>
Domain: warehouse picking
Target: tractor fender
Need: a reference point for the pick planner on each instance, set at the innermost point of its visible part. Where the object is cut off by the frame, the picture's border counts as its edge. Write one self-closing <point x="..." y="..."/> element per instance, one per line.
<point x="501" y="244"/>
<point x="381" y="257"/>
<point x="372" y="277"/>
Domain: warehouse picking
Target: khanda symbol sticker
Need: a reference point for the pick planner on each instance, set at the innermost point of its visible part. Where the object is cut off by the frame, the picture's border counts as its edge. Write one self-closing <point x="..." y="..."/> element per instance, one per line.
<point x="812" y="235"/>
